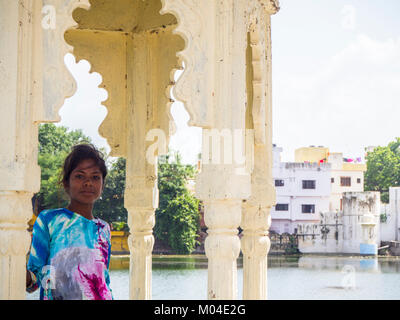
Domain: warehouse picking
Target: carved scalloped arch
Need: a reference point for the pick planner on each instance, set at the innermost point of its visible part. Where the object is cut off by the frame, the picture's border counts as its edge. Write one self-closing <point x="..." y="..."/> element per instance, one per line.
<point x="58" y="82"/>
<point x="194" y="87"/>
<point x="107" y="127"/>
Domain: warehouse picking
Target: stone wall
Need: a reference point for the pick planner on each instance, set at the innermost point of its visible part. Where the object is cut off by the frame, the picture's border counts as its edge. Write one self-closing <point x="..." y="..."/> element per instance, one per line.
<point x="347" y="231"/>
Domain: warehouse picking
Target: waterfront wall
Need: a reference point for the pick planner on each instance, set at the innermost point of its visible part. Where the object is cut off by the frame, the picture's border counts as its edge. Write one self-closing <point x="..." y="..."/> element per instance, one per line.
<point x="119" y="242"/>
<point x="345" y="231"/>
<point x="390" y="223"/>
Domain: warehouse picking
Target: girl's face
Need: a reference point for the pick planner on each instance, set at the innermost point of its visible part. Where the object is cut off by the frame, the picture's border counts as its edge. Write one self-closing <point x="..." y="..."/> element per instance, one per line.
<point x="85" y="182"/>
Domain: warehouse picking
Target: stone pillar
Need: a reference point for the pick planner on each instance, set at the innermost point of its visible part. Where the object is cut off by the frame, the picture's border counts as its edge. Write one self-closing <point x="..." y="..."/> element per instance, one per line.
<point x="19" y="172"/>
<point x="255" y="248"/>
<point x="15" y="211"/>
<point x="222" y="247"/>
<point x="256" y="218"/>
<point x="222" y="192"/>
<point x="213" y="89"/>
<point x="141" y="192"/>
<point x="141" y="221"/>
<point x="223" y="182"/>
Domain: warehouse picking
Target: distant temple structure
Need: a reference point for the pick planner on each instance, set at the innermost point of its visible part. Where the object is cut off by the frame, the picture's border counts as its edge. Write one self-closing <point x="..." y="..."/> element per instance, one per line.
<point x="355" y="230"/>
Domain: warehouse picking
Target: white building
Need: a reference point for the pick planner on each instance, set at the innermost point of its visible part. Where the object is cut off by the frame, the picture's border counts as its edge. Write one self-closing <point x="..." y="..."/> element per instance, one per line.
<point x="390" y="227"/>
<point x="345" y="176"/>
<point x="302" y="192"/>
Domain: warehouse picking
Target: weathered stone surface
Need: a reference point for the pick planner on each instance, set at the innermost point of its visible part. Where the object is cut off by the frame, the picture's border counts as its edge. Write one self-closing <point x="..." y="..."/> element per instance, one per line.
<point x="136" y="46"/>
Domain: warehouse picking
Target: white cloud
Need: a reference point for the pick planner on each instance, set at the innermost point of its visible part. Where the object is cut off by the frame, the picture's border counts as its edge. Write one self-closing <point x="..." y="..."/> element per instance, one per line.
<point x="350" y="103"/>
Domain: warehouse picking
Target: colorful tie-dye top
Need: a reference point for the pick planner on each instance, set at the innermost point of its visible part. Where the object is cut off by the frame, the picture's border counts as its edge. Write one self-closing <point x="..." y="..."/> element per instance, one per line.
<point x="69" y="257"/>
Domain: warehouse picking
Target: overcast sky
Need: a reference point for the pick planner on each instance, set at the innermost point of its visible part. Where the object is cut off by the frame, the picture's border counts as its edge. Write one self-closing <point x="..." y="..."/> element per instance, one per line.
<point x="336" y="80"/>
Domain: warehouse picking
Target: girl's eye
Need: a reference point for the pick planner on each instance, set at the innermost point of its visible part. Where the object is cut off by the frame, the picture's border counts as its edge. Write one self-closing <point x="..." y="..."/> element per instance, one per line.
<point x="79" y="176"/>
<point x="96" y="177"/>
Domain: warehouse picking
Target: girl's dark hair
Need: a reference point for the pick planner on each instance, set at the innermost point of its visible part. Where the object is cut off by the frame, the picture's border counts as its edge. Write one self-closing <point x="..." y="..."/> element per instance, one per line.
<point x="79" y="153"/>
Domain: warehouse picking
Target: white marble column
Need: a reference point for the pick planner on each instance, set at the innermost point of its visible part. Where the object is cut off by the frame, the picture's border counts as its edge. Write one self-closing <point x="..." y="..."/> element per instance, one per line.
<point x="255" y="247"/>
<point x="222" y="191"/>
<point x="222" y="247"/>
<point x="15" y="211"/>
<point x="256" y="218"/>
<point x="213" y="89"/>
<point x="141" y="241"/>
<point x="19" y="172"/>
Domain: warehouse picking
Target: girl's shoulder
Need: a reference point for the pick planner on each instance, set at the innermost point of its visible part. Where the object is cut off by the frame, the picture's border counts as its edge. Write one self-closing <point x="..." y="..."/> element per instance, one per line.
<point x="103" y="225"/>
<point x="49" y="214"/>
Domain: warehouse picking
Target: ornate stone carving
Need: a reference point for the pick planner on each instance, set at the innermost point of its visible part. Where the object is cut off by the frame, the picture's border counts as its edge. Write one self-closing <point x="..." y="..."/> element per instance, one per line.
<point x="270" y="6"/>
<point x="222" y="247"/>
<point x="137" y="69"/>
<point x="195" y="86"/>
<point x="15" y="211"/>
<point x="58" y="83"/>
<point x="256" y="217"/>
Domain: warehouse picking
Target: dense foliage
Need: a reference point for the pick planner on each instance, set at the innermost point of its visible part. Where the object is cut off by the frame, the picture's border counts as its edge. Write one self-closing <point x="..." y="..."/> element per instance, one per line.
<point x="177" y="218"/>
<point x="383" y="169"/>
<point x="110" y="207"/>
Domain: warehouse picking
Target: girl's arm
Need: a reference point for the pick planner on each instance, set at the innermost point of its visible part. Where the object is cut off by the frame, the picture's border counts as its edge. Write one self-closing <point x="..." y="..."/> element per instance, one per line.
<point x="39" y="253"/>
<point x="31" y="282"/>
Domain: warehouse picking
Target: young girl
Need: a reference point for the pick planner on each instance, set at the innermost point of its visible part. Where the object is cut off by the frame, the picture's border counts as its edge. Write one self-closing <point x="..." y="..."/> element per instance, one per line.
<point x="70" y="251"/>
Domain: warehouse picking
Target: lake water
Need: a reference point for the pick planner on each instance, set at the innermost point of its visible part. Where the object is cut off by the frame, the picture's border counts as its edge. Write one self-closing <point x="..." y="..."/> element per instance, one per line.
<point x="289" y="277"/>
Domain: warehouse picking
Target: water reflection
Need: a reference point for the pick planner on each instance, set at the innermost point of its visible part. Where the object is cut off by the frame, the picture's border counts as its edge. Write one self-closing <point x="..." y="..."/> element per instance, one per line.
<point x="190" y="262"/>
<point x="360" y="263"/>
<point x="289" y="277"/>
<point x="310" y="262"/>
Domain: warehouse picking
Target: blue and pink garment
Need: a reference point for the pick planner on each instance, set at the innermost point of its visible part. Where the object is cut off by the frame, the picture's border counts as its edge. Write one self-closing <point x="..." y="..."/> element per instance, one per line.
<point x="69" y="257"/>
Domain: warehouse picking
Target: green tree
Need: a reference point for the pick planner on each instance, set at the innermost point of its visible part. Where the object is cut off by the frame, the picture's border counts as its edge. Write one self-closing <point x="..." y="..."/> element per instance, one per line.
<point x="177" y="218"/>
<point x="383" y="169"/>
<point x="55" y="143"/>
<point x="110" y="207"/>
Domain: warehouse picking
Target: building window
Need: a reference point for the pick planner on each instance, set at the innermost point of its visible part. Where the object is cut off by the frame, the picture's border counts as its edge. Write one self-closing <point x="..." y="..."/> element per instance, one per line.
<point x="332" y="180"/>
<point x="358" y="180"/>
<point x="282" y="207"/>
<point x="308" y="208"/>
<point x="308" y="184"/>
<point x="279" y="183"/>
<point x="345" y="181"/>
